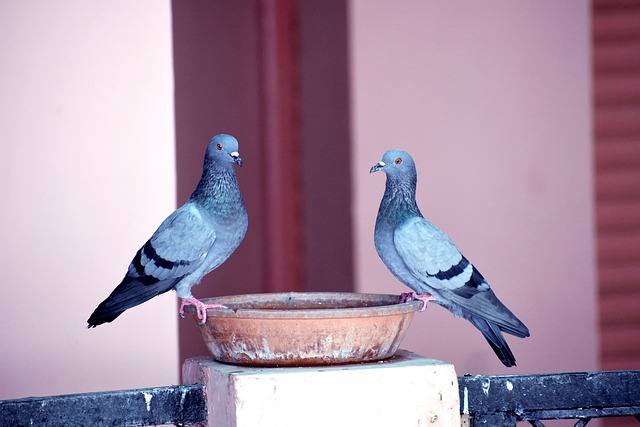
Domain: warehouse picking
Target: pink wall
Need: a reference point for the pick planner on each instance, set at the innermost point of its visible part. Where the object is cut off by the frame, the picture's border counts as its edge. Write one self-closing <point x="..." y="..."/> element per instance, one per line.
<point x="86" y="174"/>
<point x="493" y="101"/>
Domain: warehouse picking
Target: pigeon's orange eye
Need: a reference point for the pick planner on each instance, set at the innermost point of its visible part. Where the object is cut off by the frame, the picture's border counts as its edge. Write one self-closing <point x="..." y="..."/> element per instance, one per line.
<point x="219" y="147"/>
<point x="397" y="161"/>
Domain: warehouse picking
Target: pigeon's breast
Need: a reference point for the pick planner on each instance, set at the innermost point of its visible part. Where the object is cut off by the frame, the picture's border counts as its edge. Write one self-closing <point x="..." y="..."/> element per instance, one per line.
<point x="230" y="231"/>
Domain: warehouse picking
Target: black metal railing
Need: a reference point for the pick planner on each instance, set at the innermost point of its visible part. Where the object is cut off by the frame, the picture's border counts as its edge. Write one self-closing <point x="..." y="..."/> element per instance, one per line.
<point x="496" y="401"/>
<point x="179" y="405"/>
<point x="507" y="399"/>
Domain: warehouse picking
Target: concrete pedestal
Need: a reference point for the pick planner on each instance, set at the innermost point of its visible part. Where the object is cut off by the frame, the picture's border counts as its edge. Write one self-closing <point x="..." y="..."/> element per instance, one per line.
<point x="406" y="390"/>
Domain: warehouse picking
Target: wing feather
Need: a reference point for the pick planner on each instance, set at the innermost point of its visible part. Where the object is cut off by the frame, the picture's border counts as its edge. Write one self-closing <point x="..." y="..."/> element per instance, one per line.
<point x="430" y="255"/>
<point x="433" y="258"/>
<point x="178" y="246"/>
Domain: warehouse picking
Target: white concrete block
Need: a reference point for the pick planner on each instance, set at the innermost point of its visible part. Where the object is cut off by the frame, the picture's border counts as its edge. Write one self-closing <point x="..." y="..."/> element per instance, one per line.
<point x="406" y="390"/>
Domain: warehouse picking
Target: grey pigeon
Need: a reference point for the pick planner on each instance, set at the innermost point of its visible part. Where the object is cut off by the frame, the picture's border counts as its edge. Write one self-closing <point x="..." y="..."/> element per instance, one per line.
<point x="192" y="241"/>
<point x="425" y="259"/>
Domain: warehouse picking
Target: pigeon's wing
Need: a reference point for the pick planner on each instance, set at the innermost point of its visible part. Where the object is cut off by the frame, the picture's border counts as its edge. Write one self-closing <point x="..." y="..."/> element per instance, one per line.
<point x="176" y="249"/>
<point x="434" y="259"/>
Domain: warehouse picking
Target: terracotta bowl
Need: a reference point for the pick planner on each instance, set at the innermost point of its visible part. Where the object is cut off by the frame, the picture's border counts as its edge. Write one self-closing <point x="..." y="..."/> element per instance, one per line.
<point x="305" y="329"/>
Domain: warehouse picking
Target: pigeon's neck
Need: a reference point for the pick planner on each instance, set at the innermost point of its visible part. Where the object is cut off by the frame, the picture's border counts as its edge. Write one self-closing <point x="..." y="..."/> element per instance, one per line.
<point x="399" y="201"/>
<point x="218" y="190"/>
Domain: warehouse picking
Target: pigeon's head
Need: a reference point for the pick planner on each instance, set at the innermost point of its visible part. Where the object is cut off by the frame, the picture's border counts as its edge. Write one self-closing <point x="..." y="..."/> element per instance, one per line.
<point x="396" y="164"/>
<point x="223" y="149"/>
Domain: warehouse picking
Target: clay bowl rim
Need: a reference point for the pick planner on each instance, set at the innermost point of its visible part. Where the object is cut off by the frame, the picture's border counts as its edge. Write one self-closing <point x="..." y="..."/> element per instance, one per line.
<point x="383" y="305"/>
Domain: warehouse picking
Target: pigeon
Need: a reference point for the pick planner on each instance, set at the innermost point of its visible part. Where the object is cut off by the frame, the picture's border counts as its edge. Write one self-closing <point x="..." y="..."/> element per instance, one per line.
<point x="195" y="239"/>
<point x="425" y="259"/>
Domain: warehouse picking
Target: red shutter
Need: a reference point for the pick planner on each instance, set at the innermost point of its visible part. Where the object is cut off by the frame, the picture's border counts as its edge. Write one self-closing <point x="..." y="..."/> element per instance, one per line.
<point x="616" y="60"/>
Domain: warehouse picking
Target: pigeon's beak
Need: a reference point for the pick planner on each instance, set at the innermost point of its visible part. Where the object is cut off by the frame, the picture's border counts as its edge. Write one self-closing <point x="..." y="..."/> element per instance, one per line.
<point x="377" y="166"/>
<point x="236" y="158"/>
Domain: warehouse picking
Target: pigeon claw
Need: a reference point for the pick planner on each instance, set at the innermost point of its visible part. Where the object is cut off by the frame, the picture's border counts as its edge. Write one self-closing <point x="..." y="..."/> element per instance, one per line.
<point x="411" y="296"/>
<point x="406" y="297"/>
<point x="201" y="308"/>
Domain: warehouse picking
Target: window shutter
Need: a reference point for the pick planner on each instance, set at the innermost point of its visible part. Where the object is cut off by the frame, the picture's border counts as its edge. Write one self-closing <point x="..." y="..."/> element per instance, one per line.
<point x="616" y="62"/>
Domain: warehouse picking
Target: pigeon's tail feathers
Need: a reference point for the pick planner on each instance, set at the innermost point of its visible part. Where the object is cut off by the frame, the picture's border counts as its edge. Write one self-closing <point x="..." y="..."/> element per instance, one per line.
<point x="496" y="340"/>
<point x="485" y="311"/>
<point x="129" y="293"/>
<point x="486" y="305"/>
<point x="515" y="328"/>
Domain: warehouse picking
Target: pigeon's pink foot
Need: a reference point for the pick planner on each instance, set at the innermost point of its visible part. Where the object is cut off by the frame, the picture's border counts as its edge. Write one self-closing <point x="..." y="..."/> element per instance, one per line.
<point x="410" y="296"/>
<point x="200" y="307"/>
